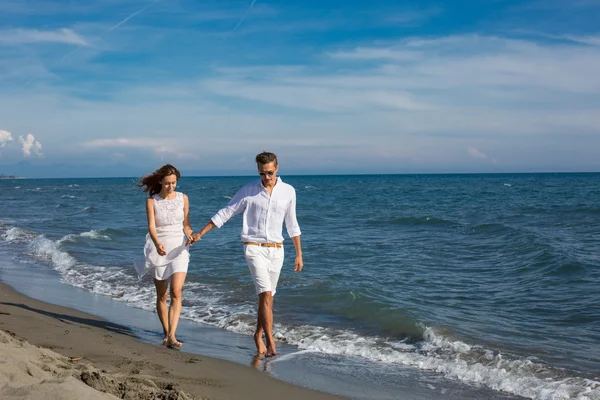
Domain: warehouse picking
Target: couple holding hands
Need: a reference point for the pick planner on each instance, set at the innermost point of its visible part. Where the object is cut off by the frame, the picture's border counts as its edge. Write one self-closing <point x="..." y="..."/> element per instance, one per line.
<point x="265" y="203"/>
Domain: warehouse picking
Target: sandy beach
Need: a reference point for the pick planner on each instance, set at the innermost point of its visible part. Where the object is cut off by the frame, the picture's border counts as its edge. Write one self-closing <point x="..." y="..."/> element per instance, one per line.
<point x="54" y="352"/>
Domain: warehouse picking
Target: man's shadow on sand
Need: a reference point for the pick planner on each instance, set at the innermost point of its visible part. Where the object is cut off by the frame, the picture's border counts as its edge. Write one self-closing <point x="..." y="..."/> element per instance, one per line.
<point x="70" y="319"/>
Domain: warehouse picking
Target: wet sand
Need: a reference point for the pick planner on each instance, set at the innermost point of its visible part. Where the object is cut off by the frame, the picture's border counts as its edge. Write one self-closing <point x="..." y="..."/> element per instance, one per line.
<point x="53" y="352"/>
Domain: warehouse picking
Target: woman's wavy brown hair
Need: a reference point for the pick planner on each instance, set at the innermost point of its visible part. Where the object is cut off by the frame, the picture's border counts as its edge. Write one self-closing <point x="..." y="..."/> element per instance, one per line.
<point x="152" y="183"/>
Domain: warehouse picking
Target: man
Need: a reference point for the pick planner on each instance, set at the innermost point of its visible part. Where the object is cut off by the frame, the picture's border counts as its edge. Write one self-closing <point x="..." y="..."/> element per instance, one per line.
<point x="266" y="204"/>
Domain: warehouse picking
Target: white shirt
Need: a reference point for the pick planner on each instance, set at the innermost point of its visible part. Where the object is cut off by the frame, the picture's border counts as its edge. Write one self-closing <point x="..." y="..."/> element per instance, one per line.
<point x="264" y="214"/>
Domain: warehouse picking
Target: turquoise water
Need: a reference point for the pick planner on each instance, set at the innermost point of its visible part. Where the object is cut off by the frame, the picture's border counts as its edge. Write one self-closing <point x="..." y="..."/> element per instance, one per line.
<point x="486" y="280"/>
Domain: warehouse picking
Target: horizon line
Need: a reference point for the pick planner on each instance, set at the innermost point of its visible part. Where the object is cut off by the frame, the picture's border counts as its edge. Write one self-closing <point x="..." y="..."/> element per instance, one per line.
<point x="15" y="177"/>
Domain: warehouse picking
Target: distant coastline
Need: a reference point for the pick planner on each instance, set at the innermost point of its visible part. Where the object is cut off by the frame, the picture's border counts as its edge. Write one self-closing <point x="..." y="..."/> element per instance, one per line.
<point x="406" y="174"/>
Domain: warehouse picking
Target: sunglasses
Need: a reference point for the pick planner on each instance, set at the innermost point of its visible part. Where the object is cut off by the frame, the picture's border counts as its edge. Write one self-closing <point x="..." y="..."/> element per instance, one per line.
<point x="267" y="173"/>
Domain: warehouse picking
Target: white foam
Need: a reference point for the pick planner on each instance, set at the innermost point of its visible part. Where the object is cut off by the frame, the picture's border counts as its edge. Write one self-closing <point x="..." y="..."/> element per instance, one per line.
<point x="439" y="353"/>
<point x="71" y="237"/>
<point x="435" y="341"/>
<point x="452" y="358"/>
<point x="16" y="234"/>
<point x="401" y="345"/>
<point x="289" y="356"/>
<point x="94" y="234"/>
<point x="47" y="250"/>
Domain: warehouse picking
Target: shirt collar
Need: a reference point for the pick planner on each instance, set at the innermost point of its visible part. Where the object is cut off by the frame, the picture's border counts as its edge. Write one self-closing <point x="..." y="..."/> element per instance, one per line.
<point x="259" y="182"/>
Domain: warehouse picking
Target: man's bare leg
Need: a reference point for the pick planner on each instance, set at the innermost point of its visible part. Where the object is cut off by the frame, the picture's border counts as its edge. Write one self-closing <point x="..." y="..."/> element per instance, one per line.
<point x="261" y="349"/>
<point x="265" y="318"/>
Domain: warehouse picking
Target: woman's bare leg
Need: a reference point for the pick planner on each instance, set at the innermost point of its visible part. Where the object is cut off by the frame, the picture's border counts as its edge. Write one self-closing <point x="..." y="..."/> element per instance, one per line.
<point x="162" y="288"/>
<point x="177" y="280"/>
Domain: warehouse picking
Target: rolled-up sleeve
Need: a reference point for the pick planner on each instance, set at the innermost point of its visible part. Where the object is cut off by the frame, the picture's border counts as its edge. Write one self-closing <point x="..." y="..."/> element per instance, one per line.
<point x="235" y="206"/>
<point x="291" y="223"/>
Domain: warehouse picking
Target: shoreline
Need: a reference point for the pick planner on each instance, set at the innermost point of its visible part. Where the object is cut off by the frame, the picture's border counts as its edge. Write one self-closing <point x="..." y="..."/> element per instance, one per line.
<point x="117" y="355"/>
<point x="306" y="373"/>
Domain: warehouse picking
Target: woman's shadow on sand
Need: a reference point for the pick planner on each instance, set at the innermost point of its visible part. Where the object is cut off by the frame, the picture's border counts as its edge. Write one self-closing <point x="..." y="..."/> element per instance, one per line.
<point x="71" y="319"/>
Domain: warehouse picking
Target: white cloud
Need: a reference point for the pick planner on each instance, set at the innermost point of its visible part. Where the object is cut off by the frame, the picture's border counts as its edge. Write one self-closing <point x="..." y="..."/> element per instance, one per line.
<point x="29" y="144"/>
<point x="5" y="137"/>
<point x="22" y="36"/>
<point x="317" y="97"/>
<point x="457" y="78"/>
<point x="479" y="62"/>
<point x="166" y="148"/>
<point x="367" y="53"/>
<point x="434" y="96"/>
<point x="473" y="152"/>
<point x="591" y="40"/>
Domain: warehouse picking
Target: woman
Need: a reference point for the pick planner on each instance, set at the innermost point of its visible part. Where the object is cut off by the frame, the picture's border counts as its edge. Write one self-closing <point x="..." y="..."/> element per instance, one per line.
<point x="165" y="253"/>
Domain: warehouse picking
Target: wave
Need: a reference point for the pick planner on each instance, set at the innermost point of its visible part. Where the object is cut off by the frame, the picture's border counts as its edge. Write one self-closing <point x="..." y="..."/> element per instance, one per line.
<point x="66" y="196"/>
<point x="46" y="250"/>
<point x="412" y="221"/>
<point x="434" y="352"/>
<point x="438" y="353"/>
<point x="93" y="234"/>
<point x="431" y="351"/>
<point x="569" y="268"/>
<point x="90" y="208"/>
<point x="13" y="234"/>
<point x="493" y="228"/>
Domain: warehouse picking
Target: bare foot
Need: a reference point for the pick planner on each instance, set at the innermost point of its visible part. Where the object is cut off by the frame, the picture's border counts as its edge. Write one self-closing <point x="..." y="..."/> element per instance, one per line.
<point x="260" y="346"/>
<point x="271" y="351"/>
<point x="174" y="343"/>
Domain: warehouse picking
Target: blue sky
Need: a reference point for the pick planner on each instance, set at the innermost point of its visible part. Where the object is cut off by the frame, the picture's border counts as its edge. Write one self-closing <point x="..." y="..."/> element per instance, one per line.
<point x="120" y="87"/>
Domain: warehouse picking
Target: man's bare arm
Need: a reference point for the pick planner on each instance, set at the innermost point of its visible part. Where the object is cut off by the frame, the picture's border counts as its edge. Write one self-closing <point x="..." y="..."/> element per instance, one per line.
<point x="298" y="264"/>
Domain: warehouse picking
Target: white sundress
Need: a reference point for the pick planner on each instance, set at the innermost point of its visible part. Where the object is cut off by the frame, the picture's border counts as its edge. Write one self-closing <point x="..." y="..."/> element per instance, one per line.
<point x="168" y="216"/>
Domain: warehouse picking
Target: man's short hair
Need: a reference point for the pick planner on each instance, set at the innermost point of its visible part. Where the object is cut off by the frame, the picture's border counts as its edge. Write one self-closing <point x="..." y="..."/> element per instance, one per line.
<point x="265" y="157"/>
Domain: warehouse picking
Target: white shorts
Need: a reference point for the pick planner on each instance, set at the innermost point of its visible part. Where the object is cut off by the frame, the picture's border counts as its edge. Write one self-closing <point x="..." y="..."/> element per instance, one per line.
<point x="265" y="265"/>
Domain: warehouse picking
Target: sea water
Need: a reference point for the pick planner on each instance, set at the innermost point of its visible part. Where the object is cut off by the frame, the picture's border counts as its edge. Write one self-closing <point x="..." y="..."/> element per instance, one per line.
<point x="483" y="282"/>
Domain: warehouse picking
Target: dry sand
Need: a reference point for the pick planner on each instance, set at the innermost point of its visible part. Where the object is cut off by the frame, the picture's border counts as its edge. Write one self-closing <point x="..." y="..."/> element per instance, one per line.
<point x="51" y="352"/>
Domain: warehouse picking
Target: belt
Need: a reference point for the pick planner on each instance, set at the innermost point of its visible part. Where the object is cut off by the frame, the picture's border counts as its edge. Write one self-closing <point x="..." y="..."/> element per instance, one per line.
<point x="278" y="245"/>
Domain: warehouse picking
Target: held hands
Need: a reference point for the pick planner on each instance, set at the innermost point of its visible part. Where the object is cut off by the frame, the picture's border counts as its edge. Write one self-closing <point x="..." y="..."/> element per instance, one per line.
<point x="193" y="238"/>
<point x="190" y="239"/>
